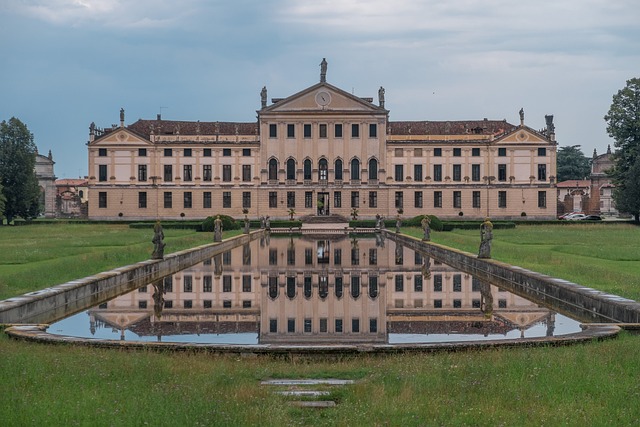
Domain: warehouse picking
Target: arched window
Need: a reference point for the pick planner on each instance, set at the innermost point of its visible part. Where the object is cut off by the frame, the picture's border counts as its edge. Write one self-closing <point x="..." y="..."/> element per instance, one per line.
<point x="307" y="169"/>
<point x="323" y="170"/>
<point x="291" y="169"/>
<point x="355" y="286"/>
<point x="373" y="169"/>
<point x="338" y="170"/>
<point x="291" y="287"/>
<point x="355" y="169"/>
<point x="273" y="169"/>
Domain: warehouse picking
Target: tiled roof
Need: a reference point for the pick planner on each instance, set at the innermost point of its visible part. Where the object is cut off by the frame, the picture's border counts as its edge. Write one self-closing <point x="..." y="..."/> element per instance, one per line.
<point x="175" y="127"/>
<point x="462" y="127"/>
<point x="574" y="183"/>
<point x="78" y="182"/>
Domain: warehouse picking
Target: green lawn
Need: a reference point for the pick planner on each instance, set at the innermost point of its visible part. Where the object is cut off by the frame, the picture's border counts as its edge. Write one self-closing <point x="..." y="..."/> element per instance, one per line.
<point x="587" y="384"/>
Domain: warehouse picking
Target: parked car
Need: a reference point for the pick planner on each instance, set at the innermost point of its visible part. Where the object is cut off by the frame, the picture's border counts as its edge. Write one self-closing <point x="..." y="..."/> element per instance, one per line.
<point x="592" y="218"/>
<point x="568" y="214"/>
<point x="575" y="217"/>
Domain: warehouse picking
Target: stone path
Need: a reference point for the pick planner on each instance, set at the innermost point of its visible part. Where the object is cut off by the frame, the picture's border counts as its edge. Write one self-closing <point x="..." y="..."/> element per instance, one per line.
<point x="305" y="388"/>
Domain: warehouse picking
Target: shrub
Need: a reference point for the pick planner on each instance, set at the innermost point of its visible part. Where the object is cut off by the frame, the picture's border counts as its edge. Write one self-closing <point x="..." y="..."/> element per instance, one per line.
<point x="228" y="223"/>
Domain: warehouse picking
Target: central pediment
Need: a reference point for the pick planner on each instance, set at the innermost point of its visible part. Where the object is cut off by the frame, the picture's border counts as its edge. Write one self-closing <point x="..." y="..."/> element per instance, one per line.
<point x="323" y="97"/>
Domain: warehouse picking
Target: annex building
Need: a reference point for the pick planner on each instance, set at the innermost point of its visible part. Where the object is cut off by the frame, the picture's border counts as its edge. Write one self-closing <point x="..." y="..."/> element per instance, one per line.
<point x="322" y="151"/>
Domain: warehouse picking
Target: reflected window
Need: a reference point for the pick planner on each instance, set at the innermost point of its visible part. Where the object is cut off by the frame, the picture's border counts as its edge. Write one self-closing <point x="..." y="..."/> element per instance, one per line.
<point x="323" y="324"/>
<point x="399" y="280"/>
<point x="337" y="256"/>
<point x="226" y="283"/>
<point x="188" y="303"/>
<point x="188" y="283"/>
<point x="207" y="283"/>
<point x="417" y="283"/>
<point x="273" y="287"/>
<point x="355" y="325"/>
<point x="373" y="325"/>
<point x="246" y="283"/>
<point x="457" y="303"/>
<point x="323" y="287"/>
<point x="457" y="283"/>
<point x="291" y="325"/>
<point x="207" y="303"/>
<point x="307" y="287"/>
<point x="437" y="283"/>
<point x="355" y="286"/>
<point x="308" y="256"/>
<point x="307" y="325"/>
<point x="291" y="287"/>
<point x="437" y="303"/>
<point x="373" y="286"/>
<point x="338" y="287"/>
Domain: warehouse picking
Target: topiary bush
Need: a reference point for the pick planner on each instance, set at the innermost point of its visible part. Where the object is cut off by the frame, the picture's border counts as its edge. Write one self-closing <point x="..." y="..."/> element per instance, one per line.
<point x="228" y="223"/>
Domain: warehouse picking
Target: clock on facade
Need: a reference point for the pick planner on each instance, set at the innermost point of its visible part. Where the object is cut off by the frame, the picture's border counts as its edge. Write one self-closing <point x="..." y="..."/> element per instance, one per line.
<point x="323" y="98"/>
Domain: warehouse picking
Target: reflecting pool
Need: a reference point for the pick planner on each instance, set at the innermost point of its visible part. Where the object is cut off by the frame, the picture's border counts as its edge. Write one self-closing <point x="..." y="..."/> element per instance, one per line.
<point x="304" y="291"/>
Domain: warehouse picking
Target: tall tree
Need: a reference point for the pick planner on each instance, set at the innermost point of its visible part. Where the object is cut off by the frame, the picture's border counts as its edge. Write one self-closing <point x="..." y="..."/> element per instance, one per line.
<point x="572" y="163"/>
<point x="627" y="196"/>
<point x="17" y="170"/>
<point x="2" y="203"/>
<point x="623" y="125"/>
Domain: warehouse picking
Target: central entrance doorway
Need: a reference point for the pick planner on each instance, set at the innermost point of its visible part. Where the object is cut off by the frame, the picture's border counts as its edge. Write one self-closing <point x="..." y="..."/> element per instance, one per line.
<point x="323" y="204"/>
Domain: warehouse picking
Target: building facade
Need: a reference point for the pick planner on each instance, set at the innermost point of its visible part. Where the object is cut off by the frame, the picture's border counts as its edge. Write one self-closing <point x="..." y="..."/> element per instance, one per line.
<point x="322" y="151"/>
<point x="46" y="181"/>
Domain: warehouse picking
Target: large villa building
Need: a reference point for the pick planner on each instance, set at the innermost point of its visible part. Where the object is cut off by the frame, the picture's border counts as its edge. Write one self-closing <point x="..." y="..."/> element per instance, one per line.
<point x="322" y="151"/>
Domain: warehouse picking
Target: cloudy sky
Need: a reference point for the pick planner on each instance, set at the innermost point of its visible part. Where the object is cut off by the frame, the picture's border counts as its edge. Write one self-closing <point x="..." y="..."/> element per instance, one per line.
<point x="66" y="63"/>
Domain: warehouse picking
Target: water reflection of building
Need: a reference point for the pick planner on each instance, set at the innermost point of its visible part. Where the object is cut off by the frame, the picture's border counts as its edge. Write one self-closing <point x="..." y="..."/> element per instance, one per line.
<point x="320" y="291"/>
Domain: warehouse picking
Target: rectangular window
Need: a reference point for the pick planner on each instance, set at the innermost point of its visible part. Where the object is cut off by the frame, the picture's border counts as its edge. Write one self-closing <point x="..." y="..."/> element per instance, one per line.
<point x="355" y="199"/>
<point x="337" y="199"/>
<point x="457" y="199"/>
<point x="273" y="257"/>
<point x="168" y="152"/>
<point x="398" y="152"/>
<point x="373" y="130"/>
<point x="355" y="325"/>
<point x="475" y="172"/>
<point x="102" y="199"/>
<point x="168" y="173"/>
<point x="246" y="173"/>
<point x="207" y="283"/>
<point x="437" y="283"/>
<point x="542" y="199"/>
<point x="323" y="324"/>
<point x="246" y="152"/>
<point x="142" y="152"/>
<point x="475" y="152"/>
<point x="102" y="173"/>
<point x="102" y="152"/>
<point x="502" y="152"/>
<point x="338" y="324"/>
<point x="399" y="280"/>
<point x="337" y="130"/>
<point x="399" y="175"/>
<point x="168" y="200"/>
<point x="188" y="200"/>
<point x="307" y="325"/>
<point x="437" y="199"/>
<point x="206" y="152"/>
<point x="291" y="199"/>
<point x="437" y="152"/>
<point x="273" y="326"/>
<point x="457" y="152"/>
<point x="355" y="130"/>
<point x="502" y="172"/>
<point x="542" y="172"/>
<point x="476" y="199"/>
<point x="273" y="199"/>
<point x="273" y="130"/>
<point x="373" y="199"/>
<point x="226" y="173"/>
<point x="457" y="172"/>
<point x="417" y="173"/>
<point x="187" y="283"/>
<point x="308" y="199"/>
<point x="399" y="200"/>
<point x="437" y="172"/>
<point x="187" y="173"/>
<point x="142" y="199"/>
<point x="187" y="152"/>
<point x="226" y="152"/>
<point x="457" y="283"/>
<point x="322" y="130"/>
<point x="246" y="199"/>
<point x="206" y="200"/>
<point x="542" y="152"/>
<point x="355" y="257"/>
<point x="246" y="283"/>
<point x="226" y="199"/>
<point x="291" y="130"/>
<point x="207" y="176"/>
<point x="142" y="172"/>
<point x="226" y="283"/>
<point x="373" y="256"/>
<point x="502" y="199"/>
<point x="306" y="128"/>
<point x="337" y="256"/>
<point x="417" y="283"/>
<point x="417" y="199"/>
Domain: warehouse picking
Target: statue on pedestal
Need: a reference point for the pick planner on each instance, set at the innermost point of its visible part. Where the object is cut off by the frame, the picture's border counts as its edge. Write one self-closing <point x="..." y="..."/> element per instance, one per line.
<point x="426" y="221"/>
<point x="217" y="229"/>
<point x="158" y="242"/>
<point x="486" y="235"/>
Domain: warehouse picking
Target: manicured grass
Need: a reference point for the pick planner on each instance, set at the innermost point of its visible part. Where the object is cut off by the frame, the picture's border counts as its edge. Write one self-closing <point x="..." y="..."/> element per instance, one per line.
<point x="587" y="384"/>
<point x="600" y="256"/>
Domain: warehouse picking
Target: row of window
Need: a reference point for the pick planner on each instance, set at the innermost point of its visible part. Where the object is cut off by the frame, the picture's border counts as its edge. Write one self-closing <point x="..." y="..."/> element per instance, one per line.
<point x="338" y="326"/>
<point x="418" y="196"/>
<point x="322" y="130"/>
<point x="187" y="173"/>
<point x="186" y="152"/>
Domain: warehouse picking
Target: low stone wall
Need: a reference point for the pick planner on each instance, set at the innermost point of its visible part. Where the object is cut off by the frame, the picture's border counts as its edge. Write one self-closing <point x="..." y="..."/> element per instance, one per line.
<point x="581" y="302"/>
<point x="52" y="304"/>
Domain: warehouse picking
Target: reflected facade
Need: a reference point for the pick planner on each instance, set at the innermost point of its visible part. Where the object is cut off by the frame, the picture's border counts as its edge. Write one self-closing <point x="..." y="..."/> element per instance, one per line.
<point x="292" y="290"/>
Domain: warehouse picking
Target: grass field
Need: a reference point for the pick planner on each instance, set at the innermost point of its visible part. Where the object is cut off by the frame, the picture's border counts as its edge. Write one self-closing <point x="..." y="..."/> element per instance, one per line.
<point x="587" y="384"/>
